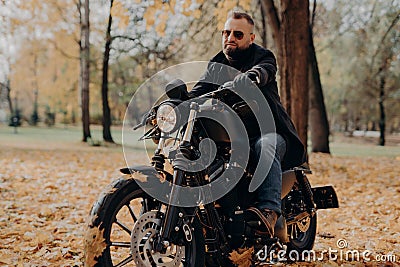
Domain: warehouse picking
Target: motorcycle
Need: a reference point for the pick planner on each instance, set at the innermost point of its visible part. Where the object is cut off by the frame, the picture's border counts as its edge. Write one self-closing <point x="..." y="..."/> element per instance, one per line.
<point x="157" y="215"/>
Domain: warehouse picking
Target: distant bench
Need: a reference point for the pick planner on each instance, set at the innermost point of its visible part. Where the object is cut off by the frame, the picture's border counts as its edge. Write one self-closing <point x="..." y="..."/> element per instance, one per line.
<point x="366" y="133"/>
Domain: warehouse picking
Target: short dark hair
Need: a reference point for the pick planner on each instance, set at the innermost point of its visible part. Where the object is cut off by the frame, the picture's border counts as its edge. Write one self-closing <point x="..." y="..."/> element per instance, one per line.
<point x="236" y="14"/>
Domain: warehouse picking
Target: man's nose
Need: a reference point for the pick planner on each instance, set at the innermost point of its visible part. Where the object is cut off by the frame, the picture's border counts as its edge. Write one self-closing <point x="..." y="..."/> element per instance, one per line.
<point x="231" y="36"/>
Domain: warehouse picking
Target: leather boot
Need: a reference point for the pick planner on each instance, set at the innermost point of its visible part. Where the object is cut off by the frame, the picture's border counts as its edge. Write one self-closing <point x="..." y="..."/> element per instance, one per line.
<point x="267" y="218"/>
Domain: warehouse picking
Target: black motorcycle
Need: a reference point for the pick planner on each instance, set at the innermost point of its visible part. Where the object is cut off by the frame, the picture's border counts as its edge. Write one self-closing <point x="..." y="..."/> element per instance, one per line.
<point x="169" y="213"/>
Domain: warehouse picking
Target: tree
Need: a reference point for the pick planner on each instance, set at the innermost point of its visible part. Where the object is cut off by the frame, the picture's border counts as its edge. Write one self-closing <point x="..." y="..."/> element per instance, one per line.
<point x="84" y="46"/>
<point x="363" y="78"/>
<point x="6" y="54"/>
<point x="5" y="95"/>
<point x="41" y="54"/>
<point x="291" y="35"/>
<point x="294" y="67"/>
<point x="387" y="55"/>
<point x="162" y="35"/>
<point x="318" y="119"/>
<point x="104" y="87"/>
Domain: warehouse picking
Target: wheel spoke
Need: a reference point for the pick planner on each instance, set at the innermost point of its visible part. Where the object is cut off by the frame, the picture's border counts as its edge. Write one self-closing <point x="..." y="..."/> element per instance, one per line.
<point x="294" y="231"/>
<point x="121" y="244"/>
<point x="125" y="261"/>
<point x="131" y="212"/>
<point x="124" y="227"/>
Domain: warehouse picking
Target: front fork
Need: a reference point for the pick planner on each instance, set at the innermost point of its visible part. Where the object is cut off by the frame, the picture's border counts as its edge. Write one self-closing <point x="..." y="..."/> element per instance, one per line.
<point x="180" y="165"/>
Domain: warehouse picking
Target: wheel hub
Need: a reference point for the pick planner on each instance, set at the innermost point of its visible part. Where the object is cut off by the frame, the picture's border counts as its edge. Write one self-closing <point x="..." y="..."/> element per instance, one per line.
<point x="304" y="224"/>
<point x="144" y="232"/>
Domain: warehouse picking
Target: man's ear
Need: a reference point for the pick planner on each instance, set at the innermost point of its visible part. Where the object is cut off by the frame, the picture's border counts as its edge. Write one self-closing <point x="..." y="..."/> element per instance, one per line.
<point x="252" y="37"/>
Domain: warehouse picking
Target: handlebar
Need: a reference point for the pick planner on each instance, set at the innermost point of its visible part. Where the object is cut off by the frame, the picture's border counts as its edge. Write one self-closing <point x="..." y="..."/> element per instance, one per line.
<point x="211" y="104"/>
<point x="144" y="120"/>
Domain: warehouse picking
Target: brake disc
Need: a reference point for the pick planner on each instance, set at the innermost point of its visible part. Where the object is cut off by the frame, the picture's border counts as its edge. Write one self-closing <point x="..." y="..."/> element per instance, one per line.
<point x="146" y="228"/>
<point x="304" y="224"/>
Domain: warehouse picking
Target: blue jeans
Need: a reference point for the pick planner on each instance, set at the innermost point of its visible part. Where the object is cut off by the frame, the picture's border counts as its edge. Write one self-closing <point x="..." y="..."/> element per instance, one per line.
<point x="270" y="189"/>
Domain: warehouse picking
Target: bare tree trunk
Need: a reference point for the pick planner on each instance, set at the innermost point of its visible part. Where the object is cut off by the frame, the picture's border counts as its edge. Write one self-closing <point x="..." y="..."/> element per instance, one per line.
<point x="294" y="69"/>
<point x="275" y="24"/>
<point x="8" y="88"/>
<point x="85" y="63"/>
<point x="263" y="26"/>
<point x="5" y="95"/>
<point x="104" y="88"/>
<point x="318" y="119"/>
<point x="382" y="120"/>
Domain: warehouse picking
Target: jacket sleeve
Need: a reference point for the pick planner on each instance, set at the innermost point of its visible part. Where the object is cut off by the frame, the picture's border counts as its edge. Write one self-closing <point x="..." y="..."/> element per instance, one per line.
<point x="265" y="67"/>
<point x="206" y="84"/>
<point x="200" y="88"/>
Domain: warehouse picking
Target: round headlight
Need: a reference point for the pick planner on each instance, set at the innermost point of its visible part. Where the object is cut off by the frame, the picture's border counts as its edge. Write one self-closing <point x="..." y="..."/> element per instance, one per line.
<point x="166" y="118"/>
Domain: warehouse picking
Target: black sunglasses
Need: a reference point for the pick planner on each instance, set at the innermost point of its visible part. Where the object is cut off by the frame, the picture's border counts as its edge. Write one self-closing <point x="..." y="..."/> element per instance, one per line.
<point x="237" y="34"/>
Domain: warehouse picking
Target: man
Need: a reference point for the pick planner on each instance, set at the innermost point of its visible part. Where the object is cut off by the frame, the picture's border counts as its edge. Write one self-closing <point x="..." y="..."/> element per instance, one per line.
<point x="259" y="65"/>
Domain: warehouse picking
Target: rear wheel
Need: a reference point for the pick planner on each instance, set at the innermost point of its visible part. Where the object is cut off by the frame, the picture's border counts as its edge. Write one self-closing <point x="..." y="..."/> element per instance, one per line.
<point x="124" y="222"/>
<point x="302" y="232"/>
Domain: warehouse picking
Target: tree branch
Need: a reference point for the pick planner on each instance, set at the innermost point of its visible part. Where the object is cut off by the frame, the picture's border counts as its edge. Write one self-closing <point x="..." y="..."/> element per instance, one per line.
<point x="123" y="37"/>
<point x="62" y="52"/>
<point x="275" y="23"/>
<point x="4" y="85"/>
<point x="263" y="29"/>
<point x="394" y="22"/>
<point x="313" y="15"/>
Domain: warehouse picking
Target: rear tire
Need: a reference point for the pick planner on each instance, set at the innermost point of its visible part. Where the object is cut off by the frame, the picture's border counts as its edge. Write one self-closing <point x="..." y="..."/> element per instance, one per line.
<point x="299" y="240"/>
<point x="301" y="234"/>
<point x="113" y="216"/>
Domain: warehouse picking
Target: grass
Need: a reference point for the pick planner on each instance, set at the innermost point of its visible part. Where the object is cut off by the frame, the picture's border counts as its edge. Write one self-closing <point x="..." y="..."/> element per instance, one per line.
<point x="69" y="138"/>
<point x="45" y="138"/>
<point x="341" y="145"/>
<point x="363" y="150"/>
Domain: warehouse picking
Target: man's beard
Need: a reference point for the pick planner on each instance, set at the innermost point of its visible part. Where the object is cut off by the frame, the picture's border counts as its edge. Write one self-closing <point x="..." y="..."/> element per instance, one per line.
<point x="234" y="53"/>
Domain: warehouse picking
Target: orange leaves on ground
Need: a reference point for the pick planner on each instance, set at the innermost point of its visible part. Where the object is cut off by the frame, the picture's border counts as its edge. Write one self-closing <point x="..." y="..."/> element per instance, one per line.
<point x="242" y="257"/>
<point x="46" y="196"/>
<point x="368" y="191"/>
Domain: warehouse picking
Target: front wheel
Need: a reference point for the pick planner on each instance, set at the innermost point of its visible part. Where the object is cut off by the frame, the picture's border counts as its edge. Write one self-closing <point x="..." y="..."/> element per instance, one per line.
<point x="124" y="222"/>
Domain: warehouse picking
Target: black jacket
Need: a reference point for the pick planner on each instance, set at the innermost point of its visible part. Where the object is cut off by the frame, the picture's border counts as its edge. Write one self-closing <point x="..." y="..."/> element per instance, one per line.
<point x="262" y="61"/>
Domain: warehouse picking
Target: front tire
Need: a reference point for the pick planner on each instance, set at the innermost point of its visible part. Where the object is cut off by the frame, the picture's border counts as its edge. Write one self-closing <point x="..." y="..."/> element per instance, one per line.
<point x="113" y="218"/>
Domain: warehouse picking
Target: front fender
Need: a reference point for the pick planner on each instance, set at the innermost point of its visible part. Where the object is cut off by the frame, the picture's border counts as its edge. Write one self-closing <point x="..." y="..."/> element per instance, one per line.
<point x="127" y="182"/>
<point x="107" y="195"/>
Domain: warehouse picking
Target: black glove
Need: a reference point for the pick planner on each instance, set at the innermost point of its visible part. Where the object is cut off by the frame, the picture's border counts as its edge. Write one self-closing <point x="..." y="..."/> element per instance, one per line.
<point x="246" y="79"/>
<point x="254" y="77"/>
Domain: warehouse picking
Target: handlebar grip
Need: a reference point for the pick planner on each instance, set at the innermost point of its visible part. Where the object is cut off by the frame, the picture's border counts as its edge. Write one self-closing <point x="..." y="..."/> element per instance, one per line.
<point x="138" y="126"/>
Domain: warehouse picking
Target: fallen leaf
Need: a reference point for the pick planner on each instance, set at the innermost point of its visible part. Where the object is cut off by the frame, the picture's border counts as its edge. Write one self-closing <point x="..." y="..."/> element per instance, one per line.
<point x="94" y="245"/>
<point x="242" y="257"/>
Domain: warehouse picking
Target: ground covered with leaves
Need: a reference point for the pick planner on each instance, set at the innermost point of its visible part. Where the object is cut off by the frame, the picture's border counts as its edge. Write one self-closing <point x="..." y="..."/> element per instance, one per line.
<point x="46" y="192"/>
